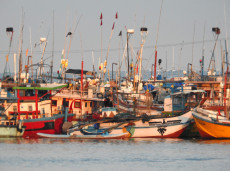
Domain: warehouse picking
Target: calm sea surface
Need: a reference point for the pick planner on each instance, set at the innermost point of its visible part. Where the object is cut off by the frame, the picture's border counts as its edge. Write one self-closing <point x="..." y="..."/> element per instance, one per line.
<point x="131" y="154"/>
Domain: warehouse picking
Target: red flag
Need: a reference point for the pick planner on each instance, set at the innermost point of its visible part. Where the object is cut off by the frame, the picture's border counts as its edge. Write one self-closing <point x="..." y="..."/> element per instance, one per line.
<point x="101" y="23"/>
<point x="101" y="16"/>
<point x="113" y="25"/>
<point x="137" y="69"/>
<point x="116" y="16"/>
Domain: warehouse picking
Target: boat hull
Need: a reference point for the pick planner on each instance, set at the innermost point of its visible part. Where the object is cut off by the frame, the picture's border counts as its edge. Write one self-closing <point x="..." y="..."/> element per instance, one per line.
<point x="162" y="131"/>
<point x="156" y="128"/>
<point x="11" y="131"/>
<point x="48" y="125"/>
<point x="171" y="127"/>
<point x="103" y="136"/>
<point x="209" y="128"/>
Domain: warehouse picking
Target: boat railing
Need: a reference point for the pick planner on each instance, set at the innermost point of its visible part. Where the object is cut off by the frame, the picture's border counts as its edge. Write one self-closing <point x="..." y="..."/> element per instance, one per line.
<point x="8" y="122"/>
<point x="78" y="92"/>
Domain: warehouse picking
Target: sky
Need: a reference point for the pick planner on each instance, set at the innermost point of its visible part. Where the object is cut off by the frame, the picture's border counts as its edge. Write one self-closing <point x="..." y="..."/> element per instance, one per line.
<point x="183" y="26"/>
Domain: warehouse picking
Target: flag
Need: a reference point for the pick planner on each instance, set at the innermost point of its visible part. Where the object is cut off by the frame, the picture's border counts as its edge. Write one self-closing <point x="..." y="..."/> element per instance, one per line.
<point x="120" y="34"/>
<point x="116" y="16"/>
<point x="69" y="34"/>
<point x="113" y="25"/>
<point x="137" y="69"/>
<point x="101" y="17"/>
<point x="7" y="58"/>
<point x="101" y="23"/>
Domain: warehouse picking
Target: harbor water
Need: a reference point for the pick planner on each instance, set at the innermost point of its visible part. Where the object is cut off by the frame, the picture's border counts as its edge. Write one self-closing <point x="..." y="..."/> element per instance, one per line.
<point x="130" y="154"/>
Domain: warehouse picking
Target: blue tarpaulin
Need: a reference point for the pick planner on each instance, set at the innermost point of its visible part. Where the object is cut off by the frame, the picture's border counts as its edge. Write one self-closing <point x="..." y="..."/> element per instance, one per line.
<point x="150" y="87"/>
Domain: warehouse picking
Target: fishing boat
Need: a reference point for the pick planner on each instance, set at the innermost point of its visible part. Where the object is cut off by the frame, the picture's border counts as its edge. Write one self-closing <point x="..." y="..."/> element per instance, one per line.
<point x="155" y="128"/>
<point x="73" y="136"/>
<point x="82" y="103"/>
<point x="9" y="127"/>
<point x="212" y="124"/>
<point x="170" y="124"/>
<point x="42" y="106"/>
<point x="41" y="119"/>
<point x="165" y="130"/>
<point x="215" y="123"/>
<point x="49" y="125"/>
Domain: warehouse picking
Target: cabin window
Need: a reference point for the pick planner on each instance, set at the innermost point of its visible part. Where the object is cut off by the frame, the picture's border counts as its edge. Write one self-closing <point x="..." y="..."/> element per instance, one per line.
<point x="30" y="108"/>
<point x="85" y="104"/>
<point x="29" y="93"/>
<point x="177" y="101"/>
<point x="91" y="104"/>
<point x="54" y="102"/>
<point x="77" y="105"/>
<point x="21" y="93"/>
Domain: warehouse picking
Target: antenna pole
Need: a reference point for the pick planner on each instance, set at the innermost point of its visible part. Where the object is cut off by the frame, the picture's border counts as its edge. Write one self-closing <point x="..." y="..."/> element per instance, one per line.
<point x="155" y="66"/>
<point x="51" y="66"/>
<point x="202" y="64"/>
<point x="20" y="48"/>
<point x="193" y="46"/>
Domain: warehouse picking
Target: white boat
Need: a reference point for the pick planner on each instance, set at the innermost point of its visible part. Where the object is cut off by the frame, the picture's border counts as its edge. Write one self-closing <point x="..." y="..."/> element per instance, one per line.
<point x="73" y="136"/>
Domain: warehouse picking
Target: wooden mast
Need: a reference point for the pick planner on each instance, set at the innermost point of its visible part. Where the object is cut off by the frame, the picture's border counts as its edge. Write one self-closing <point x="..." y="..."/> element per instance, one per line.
<point x="51" y="65"/>
<point x="20" y="48"/>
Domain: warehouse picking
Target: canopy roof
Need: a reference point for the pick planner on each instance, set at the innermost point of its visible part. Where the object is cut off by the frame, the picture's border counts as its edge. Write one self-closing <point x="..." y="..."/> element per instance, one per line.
<point x="78" y="72"/>
<point x="188" y="92"/>
<point x="42" y="87"/>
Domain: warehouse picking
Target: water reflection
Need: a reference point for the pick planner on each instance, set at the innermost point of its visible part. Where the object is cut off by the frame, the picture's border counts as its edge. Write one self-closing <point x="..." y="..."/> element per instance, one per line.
<point x="54" y="141"/>
<point x="113" y="141"/>
<point x="63" y="141"/>
<point x="157" y="140"/>
<point x="214" y="141"/>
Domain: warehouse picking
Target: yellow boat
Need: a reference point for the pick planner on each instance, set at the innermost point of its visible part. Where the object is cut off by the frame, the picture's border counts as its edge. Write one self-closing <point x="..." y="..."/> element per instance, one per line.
<point x="210" y="124"/>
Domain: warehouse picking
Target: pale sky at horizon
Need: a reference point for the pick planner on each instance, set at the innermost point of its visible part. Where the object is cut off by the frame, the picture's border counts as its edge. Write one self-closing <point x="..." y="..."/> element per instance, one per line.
<point x="177" y="23"/>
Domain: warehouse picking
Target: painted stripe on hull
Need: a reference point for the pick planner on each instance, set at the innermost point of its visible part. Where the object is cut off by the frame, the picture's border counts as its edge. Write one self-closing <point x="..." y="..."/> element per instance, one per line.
<point x="47" y="125"/>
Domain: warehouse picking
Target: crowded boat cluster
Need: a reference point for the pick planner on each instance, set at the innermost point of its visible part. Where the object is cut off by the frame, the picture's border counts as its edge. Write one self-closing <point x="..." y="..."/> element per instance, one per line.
<point x="80" y="104"/>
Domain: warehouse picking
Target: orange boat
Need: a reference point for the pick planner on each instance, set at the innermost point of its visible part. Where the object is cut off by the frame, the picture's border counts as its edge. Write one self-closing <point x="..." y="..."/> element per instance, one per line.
<point x="211" y="124"/>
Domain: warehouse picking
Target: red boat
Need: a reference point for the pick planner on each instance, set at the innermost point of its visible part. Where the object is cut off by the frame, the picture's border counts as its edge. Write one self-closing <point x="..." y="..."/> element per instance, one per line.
<point x="34" y="120"/>
<point x="48" y="125"/>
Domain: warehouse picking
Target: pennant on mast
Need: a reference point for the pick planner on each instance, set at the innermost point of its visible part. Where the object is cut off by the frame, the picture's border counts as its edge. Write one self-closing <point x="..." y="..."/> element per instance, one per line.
<point x="101" y="17"/>
<point x="120" y="34"/>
